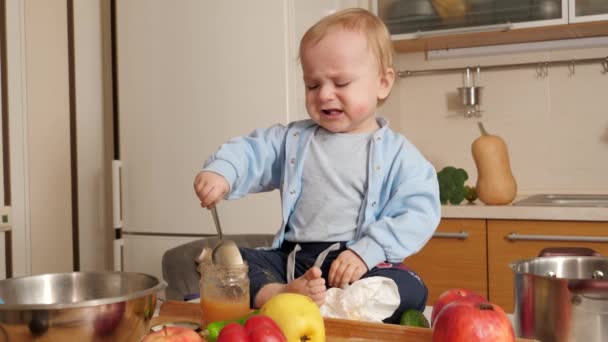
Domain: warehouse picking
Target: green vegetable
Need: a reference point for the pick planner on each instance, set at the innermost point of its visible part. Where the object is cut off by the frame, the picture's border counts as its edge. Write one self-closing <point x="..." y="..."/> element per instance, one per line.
<point x="212" y="330"/>
<point x="470" y="193"/>
<point x="414" y="318"/>
<point x="451" y="185"/>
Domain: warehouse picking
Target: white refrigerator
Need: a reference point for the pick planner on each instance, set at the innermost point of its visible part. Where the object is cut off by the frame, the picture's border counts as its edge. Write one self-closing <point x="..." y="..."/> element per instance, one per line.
<point x="189" y="76"/>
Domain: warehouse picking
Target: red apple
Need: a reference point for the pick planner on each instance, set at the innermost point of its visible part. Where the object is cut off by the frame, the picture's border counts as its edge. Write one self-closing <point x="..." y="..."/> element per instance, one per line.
<point x="452" y="295"/>
<point x="467" y="321"/>
<point x="173" y="334"/>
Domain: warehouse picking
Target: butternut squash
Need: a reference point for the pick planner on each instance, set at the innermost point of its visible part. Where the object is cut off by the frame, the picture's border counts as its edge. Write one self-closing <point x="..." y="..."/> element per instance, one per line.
<point x="495" y="182"/>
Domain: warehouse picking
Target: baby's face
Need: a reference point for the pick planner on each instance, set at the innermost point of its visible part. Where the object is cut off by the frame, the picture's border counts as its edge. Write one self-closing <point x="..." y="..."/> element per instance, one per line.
<point x="343" y="82"/>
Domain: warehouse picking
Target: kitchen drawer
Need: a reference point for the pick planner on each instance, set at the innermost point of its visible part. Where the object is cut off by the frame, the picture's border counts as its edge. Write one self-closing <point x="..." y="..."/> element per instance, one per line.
<point x="453" y="262"/>
<point x="531" y="237"/>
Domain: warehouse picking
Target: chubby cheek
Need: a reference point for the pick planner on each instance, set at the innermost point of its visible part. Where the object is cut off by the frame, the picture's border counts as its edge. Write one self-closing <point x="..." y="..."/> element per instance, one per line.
<point x="359" y="110"/>
<point x="362" y="109"/>
<point x="311" y="105"/>
<point x="358" y="104"/>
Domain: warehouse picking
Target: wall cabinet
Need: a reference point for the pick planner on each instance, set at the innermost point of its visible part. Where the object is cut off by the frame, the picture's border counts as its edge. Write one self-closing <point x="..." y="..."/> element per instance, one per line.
<point x="476" y="253"/>
<point x="587" y="10"/>
<point x="421" y="25"/>
<point x="454" y="257"/>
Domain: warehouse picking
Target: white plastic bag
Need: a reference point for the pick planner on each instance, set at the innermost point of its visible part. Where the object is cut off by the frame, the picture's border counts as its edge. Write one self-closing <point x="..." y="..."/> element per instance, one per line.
<point x="371" y="299"/>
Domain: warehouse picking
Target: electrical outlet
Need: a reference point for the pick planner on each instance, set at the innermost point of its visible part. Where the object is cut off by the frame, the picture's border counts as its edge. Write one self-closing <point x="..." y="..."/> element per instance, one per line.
<point x="5" y="218"/>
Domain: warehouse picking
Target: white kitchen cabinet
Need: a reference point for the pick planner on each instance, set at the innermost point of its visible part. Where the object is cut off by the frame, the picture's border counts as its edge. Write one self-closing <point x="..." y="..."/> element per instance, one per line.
<point x="587" y="10"/>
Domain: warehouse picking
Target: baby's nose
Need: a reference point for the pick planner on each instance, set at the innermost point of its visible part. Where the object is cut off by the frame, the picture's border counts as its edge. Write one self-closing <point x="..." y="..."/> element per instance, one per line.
<point x="327" y="92"/>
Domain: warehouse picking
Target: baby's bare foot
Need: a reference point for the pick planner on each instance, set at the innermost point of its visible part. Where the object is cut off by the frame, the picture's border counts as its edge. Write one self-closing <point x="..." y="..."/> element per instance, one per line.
<point x="309" y="284"/>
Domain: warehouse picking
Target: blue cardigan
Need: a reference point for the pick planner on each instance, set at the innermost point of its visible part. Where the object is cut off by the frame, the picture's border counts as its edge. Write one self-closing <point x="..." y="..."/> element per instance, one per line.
<point x="401" y="208"/>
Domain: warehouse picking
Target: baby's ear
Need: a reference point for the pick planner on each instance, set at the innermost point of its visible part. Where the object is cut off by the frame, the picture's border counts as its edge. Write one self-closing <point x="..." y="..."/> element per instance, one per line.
<point x="386" y="83"/>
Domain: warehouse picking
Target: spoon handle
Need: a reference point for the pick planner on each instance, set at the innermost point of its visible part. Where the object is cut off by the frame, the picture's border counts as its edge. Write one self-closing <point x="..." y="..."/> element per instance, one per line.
<point x="216" y="219"/>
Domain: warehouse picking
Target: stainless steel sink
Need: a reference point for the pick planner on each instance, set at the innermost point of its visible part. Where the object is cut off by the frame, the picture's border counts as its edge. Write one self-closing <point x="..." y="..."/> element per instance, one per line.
<point x="556" y="200"/>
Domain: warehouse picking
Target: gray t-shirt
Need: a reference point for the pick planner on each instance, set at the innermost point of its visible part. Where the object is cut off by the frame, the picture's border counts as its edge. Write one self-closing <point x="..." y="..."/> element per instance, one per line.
<point x="334" y="182"/>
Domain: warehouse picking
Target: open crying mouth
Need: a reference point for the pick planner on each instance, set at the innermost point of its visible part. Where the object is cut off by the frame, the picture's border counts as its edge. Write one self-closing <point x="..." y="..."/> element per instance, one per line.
<point x="331" y="112"/>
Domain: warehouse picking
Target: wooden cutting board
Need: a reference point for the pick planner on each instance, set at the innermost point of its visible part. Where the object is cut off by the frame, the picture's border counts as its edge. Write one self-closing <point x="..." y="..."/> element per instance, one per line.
<point x="337" y="330"/>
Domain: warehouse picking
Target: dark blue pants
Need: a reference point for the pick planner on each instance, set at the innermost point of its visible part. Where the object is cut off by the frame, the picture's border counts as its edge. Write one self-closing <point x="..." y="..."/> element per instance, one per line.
<point x="270" y="266"/>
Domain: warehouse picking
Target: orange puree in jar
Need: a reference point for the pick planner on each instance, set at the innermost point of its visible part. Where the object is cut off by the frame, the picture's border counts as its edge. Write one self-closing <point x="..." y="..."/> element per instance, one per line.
<point x="224" y="292"/>
<point x="221" y="310"/>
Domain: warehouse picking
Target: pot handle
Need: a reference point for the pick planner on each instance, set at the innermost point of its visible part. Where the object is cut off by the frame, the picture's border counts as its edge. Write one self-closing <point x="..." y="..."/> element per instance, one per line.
<point x="567" y="251"/>
<point x="587" y="286"/>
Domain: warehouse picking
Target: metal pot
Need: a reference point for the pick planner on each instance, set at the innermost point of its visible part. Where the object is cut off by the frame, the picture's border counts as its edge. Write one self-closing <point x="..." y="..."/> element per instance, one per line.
<point x="78" y="306"/>
<point x="562" y="297"/>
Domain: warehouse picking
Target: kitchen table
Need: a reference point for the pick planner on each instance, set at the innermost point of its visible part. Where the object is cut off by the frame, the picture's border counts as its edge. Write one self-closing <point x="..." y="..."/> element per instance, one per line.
<point x="337" y="330"/>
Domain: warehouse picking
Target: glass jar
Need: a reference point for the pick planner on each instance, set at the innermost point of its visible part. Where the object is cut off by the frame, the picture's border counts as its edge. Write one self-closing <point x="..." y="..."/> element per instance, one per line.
<point x="224" y="292"/>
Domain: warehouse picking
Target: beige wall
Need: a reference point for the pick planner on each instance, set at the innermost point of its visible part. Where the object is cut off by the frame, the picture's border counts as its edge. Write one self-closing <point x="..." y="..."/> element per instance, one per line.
<point x="48" y="136"/>
<point x="556" y="128"/>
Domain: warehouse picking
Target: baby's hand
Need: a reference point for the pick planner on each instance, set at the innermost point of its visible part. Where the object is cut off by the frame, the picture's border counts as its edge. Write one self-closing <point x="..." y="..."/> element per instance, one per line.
<point x="346" y="269"/>
<point x="210" y="188"/>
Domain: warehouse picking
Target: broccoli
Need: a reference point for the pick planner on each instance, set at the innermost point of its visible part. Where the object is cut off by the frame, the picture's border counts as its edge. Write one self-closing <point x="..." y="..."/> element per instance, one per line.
<point x="451" y="184"/>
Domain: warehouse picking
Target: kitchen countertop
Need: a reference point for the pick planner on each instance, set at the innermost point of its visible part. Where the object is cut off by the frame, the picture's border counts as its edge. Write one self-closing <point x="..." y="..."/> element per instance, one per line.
<point x="478" y="210"/>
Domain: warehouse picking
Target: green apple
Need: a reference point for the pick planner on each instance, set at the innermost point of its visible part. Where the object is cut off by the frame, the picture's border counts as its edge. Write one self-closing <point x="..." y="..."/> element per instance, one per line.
<point x="297" y="315"/>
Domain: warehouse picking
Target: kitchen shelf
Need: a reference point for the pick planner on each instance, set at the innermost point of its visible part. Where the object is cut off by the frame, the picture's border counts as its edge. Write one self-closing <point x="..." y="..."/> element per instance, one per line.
<point x="524" y="35"/>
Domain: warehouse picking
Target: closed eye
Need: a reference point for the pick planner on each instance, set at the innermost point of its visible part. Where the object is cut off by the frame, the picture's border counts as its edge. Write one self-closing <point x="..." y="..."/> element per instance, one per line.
<point x="312" y="86"/>
<point x="342" y="84"/>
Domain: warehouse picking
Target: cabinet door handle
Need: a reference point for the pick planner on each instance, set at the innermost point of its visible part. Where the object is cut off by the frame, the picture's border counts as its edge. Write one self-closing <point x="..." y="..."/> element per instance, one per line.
<point x="461" y="30"/>
<point x="574" y="238"/>
<point x="117" y="182"/>
<point x="462" y="235"/>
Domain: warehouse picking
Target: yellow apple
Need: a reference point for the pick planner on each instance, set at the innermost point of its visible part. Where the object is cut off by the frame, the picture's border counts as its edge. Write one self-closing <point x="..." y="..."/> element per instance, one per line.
<point x="298" y="317"/>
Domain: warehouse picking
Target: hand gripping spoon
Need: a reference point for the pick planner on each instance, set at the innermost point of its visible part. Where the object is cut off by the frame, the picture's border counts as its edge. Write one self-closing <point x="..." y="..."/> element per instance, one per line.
<point x="226" y="252"/>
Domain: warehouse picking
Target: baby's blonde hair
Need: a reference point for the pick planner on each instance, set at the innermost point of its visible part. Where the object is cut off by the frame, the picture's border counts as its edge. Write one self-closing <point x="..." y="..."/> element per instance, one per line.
<point x="357" y="20"/>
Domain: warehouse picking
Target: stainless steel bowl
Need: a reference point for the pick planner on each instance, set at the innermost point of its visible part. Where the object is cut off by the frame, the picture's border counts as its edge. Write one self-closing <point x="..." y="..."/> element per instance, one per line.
<point x="78" y="306"/>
